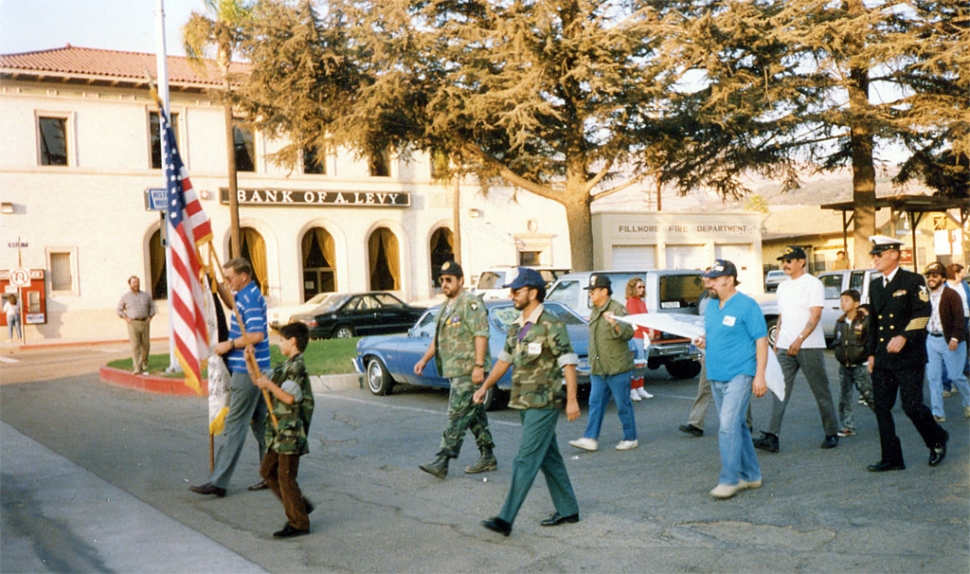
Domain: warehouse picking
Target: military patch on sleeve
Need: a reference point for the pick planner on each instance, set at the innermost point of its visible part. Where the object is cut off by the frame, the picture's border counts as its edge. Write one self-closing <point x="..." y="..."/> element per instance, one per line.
<point x="924" y="295"/>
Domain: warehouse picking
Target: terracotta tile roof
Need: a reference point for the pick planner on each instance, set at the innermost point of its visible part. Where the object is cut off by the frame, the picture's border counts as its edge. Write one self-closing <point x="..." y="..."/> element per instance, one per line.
<point x="107" y="66"/>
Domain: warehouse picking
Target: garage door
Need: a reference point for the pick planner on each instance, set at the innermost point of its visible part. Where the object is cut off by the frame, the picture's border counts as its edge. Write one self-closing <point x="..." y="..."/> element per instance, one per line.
<point x="686" y="257"/>
<point x="634" y="257"/>
<point x="740" y="254"/>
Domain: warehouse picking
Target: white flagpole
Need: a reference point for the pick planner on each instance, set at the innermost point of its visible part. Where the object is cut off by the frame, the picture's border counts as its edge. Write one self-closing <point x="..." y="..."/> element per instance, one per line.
<point x="161" y="66"/>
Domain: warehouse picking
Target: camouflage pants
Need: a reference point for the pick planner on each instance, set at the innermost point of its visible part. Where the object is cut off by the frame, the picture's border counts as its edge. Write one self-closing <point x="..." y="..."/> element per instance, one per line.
<point x="463" y="414"/>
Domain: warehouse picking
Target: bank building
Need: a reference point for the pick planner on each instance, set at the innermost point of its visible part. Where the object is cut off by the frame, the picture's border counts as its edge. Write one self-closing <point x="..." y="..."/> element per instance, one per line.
<point x="80" y="154"/>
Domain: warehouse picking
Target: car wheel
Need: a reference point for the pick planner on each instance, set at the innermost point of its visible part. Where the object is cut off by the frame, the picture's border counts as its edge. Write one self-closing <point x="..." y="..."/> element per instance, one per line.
<point x="379" y="381"/>
<point x="684" y="369"/>
<point x="343" y="332"/>
<point x="772" y="331"/>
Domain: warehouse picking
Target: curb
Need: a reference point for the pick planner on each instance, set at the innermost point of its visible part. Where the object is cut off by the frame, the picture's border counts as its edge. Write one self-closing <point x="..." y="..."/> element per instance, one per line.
<point x="174" y="386"/>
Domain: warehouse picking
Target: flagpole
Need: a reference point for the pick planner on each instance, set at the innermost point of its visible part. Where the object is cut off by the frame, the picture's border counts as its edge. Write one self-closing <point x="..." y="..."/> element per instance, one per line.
<point x="161" y="67"/>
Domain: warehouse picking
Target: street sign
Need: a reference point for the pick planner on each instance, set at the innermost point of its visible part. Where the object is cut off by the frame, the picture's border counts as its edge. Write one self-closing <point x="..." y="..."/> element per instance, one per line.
<point x="155" y="199"/>
<point x="20" y="277"/>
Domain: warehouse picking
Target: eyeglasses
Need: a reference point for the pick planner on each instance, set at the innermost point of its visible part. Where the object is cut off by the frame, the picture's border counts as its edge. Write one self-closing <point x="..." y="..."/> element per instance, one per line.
<point x="447" y="279"/>
<point x="640" y="287"/>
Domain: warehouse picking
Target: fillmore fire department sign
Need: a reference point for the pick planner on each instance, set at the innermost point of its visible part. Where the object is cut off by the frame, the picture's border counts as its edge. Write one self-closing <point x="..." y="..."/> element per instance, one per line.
<point x="307" y="198"/>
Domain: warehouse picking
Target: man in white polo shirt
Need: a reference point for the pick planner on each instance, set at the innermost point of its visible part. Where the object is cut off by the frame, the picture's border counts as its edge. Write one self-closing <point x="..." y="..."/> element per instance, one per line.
<point x="799" y="345"/>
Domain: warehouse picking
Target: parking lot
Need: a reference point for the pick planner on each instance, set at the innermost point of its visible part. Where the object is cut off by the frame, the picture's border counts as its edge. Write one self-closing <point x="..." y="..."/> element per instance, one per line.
<point x="642" y="510"/>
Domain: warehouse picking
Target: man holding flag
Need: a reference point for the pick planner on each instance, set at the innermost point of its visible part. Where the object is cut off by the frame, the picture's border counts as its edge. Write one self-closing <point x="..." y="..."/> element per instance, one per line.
<point x="245" y="404"/>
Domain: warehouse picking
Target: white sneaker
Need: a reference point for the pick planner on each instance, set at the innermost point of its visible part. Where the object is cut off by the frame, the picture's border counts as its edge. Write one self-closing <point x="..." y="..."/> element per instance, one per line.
<point x="725" y="490"/>
<point x="744" y="484"/>
<point x="634" y="396"/>
<point x="627" y="445"/>
<point x="643" y="393"/>
<point x="585" y="443"/>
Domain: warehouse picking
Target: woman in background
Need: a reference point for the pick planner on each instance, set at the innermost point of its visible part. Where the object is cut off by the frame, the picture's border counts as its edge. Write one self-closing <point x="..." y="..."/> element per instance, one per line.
<point x="636" y="290"/>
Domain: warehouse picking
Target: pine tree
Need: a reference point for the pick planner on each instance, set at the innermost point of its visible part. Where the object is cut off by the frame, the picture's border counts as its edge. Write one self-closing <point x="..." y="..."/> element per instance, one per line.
<point x="549" y="95"/>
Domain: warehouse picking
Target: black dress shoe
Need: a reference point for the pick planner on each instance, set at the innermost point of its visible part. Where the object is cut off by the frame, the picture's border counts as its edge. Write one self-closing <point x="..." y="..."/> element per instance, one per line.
<point x="308" y="506"/>
<point x="691" y="429"/>
<point x="938" y="452"/>
<point x="289" y="532"/>
<point x="766" y="441"/>
<point x="496" y="524"/>
<point x="208" y="488"/>
<point x="557" y="519"/>
<point x="830" y="441"/>
<point x="261" y="485"/>
<point x="883" y="466"/>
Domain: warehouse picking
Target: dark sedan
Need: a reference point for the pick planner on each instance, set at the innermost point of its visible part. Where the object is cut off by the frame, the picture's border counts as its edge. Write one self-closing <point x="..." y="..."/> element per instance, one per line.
<point x="389" y="360"/>
<point x="345" y="315"/>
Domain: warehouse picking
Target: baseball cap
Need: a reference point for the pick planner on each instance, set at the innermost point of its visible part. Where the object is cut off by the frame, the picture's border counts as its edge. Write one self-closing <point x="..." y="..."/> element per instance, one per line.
<point x="793" y="252"/>
<point x="451" y="268"/>
<point x="596" y="280"/>
<point x="720" y="268"/>
<point x="526" y="278"/>
<point x="935" y="267"/>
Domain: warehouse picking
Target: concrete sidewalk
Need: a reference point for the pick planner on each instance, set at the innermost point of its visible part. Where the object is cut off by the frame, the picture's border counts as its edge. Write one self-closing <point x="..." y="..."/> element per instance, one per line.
<point x="85" y="524"/>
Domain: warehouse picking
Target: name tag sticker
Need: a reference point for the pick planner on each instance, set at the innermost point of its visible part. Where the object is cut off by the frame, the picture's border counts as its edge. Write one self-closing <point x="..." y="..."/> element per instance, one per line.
<point x="535" y="348"/>
<point x="729" y="321"/>
<point x="899" y="293"/>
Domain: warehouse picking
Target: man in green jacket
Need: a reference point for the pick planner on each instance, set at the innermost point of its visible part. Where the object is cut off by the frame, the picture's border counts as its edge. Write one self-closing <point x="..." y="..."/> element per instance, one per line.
<point x="611" y="363"/>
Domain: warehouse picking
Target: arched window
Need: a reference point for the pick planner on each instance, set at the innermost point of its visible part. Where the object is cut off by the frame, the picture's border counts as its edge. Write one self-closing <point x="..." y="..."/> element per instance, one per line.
<point x="254" y="249"/>
<point x="442" y="249"/>
<point x="319" y="260"/>
<point x="159" y="274"/>
<point x="383" y="259"/>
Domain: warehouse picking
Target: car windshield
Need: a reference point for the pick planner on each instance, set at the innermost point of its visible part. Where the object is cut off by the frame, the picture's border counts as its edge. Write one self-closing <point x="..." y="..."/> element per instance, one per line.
<point x="332" y="302"/>
<point x="565" y="292"/>
<point x="502" y="316"/>
<point x="318" y="298"/>
<point x="491" y="280"/>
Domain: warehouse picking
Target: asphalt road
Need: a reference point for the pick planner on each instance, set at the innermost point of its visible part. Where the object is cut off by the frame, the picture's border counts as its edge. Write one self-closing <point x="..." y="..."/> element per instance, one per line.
<point x="95" y="477"/>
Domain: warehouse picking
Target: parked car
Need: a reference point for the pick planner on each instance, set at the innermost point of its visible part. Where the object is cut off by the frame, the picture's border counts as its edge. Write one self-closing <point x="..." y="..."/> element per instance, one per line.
<point x="668" y="291"/>
<point x="834" y="282"/>
<point x="490" y="281"/>
<point x="773" y="278"/>
<point x="278" y="316"/>
<point x="388" y="360"/>
<point x="356" y="314"/>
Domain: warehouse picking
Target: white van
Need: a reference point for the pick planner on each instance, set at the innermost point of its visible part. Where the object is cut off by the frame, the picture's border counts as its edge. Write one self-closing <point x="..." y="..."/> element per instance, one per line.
<point x="489" y="285"/>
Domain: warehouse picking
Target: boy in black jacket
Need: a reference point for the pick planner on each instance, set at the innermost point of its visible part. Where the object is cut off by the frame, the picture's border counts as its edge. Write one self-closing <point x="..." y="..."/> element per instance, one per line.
<point x="850" y="350"/>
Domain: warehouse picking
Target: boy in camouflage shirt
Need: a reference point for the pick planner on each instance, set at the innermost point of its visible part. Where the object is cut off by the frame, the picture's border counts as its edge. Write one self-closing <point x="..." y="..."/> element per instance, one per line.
<point x="292" y="400"/>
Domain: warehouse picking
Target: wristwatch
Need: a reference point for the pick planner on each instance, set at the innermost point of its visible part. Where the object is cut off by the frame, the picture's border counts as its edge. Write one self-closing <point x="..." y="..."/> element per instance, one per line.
<point x="480" y="365"/>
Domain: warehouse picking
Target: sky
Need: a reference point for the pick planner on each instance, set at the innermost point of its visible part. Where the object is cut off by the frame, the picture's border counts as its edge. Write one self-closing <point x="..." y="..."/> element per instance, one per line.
<point x="127" y="25"/>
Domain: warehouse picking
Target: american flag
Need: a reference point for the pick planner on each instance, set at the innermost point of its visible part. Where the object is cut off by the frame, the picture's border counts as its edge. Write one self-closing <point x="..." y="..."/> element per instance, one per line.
<point x="188" y="228"/>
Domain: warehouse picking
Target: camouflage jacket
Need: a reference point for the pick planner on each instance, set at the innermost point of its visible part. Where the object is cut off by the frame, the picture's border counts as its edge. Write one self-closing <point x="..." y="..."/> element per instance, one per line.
<point x="293" y="420"/>
<point x="455" y="333"/>
<point x="609" y="351"/>
<point x="537" y="360"/>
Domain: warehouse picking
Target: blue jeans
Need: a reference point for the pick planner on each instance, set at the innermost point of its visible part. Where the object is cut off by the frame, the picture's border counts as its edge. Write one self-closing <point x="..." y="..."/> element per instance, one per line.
<point x="939" y="354"/>
<point x="855" y="376"/>
<point x="738" y="460"/>
<point x="601" y="387"/>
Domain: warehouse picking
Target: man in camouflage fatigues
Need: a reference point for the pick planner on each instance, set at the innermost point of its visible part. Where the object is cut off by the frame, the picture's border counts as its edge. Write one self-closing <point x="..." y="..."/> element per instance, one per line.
<point x="460" y="350"/>
<point x="286" y="442"/>
<point x="538" y="347"/>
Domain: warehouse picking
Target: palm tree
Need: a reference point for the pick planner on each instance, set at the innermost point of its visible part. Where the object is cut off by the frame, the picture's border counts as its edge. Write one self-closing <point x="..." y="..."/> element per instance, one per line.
<point x="223" y="31"/>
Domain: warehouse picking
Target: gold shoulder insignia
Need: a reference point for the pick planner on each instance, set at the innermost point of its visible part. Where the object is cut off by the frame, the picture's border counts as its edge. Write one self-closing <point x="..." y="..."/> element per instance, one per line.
<point x="924" y="295"/>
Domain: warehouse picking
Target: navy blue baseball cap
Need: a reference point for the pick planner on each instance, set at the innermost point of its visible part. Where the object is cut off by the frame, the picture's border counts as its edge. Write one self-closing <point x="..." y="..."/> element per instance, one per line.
<point x="526" y="278"/>
<point x="720" y="268"/>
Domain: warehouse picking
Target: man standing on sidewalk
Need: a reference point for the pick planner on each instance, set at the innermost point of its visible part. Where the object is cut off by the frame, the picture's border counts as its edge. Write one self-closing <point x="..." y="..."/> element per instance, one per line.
<point x="799" y="346"/>
<point x="246" y="404"/>
<point x="137" y="309"/>
<point x="897" y="354"/>
<point x="460" y="349"/>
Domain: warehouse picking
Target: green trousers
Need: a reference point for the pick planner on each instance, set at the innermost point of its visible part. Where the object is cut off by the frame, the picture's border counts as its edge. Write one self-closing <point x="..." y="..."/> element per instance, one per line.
<point x="539" y="450"/>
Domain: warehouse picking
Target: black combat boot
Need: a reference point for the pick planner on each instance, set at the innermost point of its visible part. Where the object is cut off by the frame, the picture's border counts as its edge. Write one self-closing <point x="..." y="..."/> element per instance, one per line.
<point x="439" y="467"/>
<point x="484" y="464"/>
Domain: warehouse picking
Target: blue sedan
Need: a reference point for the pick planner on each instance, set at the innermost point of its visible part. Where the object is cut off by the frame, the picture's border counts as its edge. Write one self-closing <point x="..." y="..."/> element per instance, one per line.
<point x="387" y="360"/>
